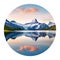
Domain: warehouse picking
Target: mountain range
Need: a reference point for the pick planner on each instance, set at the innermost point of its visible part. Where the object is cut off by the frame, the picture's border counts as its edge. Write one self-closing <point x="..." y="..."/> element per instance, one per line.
<point x="34" y="25"/>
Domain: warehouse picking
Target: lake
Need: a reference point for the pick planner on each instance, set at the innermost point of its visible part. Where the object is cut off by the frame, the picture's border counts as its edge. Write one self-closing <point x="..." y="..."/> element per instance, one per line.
<point x="30" y="42"/>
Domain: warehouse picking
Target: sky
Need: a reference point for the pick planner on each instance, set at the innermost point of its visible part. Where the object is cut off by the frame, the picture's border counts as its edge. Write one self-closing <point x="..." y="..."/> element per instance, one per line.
<point x="27" y="13"/>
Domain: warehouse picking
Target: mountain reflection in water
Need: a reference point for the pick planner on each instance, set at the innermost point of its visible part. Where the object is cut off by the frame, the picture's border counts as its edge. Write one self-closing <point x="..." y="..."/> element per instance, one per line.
<point x="33" y="35"/>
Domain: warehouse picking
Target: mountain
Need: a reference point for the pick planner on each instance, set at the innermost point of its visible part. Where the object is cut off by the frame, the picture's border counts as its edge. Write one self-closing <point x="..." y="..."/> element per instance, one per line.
<point x="52" y="26"/>
<point x="12" y="25"/>
<point x="35" y="25"/>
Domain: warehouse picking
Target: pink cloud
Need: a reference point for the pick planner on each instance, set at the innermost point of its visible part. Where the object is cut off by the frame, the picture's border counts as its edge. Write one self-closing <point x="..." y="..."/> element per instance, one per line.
<point x="30" y="48"/>
<point x="29" y="10"/>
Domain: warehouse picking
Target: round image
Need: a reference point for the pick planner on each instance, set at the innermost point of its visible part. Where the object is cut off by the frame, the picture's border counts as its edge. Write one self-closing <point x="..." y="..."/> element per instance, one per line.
<point x="29" y="29"/>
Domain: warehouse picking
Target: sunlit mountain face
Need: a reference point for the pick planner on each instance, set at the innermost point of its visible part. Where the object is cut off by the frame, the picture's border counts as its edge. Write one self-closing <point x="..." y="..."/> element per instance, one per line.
<point x="29" y="30"/>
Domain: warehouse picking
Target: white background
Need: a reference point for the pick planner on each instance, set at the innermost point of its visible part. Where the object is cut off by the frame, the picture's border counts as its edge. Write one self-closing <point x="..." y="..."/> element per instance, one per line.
<point x="6" y="53"/>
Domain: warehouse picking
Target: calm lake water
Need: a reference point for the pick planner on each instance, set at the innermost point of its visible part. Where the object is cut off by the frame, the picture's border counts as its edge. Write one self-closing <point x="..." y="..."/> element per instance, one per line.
<point x="30" y="42"/>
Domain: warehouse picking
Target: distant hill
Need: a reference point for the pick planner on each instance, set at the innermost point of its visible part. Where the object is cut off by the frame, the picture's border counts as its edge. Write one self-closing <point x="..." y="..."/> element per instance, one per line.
<point x="52" y="27"/>
<point x="12" y="25"/>
<point x="10" y="28"/>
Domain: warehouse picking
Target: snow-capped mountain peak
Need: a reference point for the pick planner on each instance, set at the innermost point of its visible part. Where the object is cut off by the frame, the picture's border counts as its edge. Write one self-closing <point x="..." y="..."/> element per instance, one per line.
<point x="35" y="21"/>
<point x="51" y="24"/>
<point x="35" y="25"/>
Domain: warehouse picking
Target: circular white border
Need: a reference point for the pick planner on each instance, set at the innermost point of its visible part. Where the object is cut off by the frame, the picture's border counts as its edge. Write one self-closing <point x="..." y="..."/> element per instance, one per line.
<point x="6" y="53"/>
